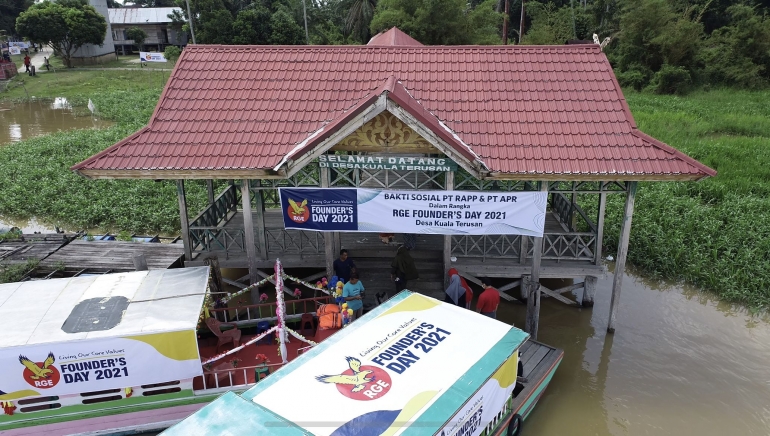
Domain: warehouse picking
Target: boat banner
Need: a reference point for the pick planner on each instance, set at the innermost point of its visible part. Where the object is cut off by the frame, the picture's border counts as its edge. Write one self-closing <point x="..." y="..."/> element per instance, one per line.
<point x="432" y="212"/>
<point x="97" y="364"/>
<point x="417" y="362"/>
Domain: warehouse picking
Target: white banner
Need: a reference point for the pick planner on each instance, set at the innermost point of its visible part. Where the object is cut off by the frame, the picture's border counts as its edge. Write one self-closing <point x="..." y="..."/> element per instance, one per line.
<point x="151" y="57"/>
<point x="434" y="212"/>
<point x="19" y="44"/>
<point x="97" y="364"/>
<point x="14" y="50"/>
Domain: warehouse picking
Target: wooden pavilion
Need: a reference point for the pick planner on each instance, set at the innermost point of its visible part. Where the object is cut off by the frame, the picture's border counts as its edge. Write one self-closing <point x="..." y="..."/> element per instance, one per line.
<point x="492" y="118"/>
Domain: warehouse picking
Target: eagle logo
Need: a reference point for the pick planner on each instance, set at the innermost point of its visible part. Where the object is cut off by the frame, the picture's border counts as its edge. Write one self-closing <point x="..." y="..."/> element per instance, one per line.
<point x="40" y="374"/>
<point x="359" y="382"/>
<point x="298" y="213"/>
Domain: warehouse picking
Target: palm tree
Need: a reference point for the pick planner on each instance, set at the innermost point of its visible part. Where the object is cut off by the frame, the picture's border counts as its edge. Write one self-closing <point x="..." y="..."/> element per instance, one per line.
<point x="359" y="17"/>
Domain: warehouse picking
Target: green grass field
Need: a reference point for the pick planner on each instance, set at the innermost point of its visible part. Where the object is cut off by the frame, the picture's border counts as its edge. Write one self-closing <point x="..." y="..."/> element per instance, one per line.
<point x="714" y="233"/>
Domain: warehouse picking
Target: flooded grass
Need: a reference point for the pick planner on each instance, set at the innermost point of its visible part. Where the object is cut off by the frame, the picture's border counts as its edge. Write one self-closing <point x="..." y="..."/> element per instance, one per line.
<point x="37" y="181"/>
<point x="714" y="233"/>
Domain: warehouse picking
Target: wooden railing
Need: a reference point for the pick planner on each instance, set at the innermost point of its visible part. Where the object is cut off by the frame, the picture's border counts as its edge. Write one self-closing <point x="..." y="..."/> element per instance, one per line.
<point x="498" y="246"/>
<point x="294" y="241"/>
<point x="207" y="232"/>
<point x="231" y="377"/>
<point x="556" y="246"/>
<point x="266" y="311"/>
<point x="566" y="246"/>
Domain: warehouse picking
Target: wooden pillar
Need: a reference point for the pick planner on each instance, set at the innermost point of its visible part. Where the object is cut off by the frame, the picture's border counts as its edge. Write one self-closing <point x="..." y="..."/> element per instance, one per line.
<point x="533" y="295"/>
<point x="524" y="287"/>
<point x="600" y="227"/>
<point x="328" y="237"/>
<point x="450" y="184"/>
<point x="620" y="261"/>
<point x="248" y="232"/>
<point x="589" y="290"/>
<point x="210" y="189"/>
<point x="337" y="243"/>
<point x="260" y="232"/>
<point x="185" y="220"/>
<point x="140" y="262"/>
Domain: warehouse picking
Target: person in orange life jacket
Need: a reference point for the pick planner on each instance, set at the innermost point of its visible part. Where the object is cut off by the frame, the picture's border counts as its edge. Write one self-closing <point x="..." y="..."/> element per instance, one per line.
<point x="488" y="300"/>
<point x="455" y="293"/>
<point x="468" y="290"/>
<point x="352" y="293"/>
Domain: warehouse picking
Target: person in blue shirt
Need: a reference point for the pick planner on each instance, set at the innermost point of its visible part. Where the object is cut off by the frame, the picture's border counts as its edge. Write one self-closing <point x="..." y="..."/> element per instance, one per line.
<point x="344" y="266"/>
<point x="352" y="293"/>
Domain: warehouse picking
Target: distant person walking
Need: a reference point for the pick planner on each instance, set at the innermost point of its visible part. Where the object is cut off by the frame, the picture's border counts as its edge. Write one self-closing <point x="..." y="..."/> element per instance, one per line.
<point x="27" y="63"/>
<point x="352" y="292"/>
<point x="402" y="269"/>
<point x="344" y="266"/>
<point x="455" y="294"/>
<point x="488" y="300"/>
<point x="468" y="290"/>
<point x="46" y="64"/>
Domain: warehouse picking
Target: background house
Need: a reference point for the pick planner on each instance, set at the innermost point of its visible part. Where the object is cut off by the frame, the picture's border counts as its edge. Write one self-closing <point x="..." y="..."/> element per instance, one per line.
<point x="90" y="54"/>
<point x="155" y="23"/>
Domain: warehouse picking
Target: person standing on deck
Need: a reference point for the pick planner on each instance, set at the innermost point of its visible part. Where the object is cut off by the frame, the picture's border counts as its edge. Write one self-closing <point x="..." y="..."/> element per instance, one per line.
<point x="488" y="300"/>
<point x="468" y="290"/>
<point x="352" y="292"/>
<point x="344" y="266"/>
<point x="403" y="269"/>
<point x="455" y="293"/>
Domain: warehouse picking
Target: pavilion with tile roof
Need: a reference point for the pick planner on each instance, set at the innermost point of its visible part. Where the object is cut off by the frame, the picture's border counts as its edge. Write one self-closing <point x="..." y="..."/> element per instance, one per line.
<point x="512" y="118"/>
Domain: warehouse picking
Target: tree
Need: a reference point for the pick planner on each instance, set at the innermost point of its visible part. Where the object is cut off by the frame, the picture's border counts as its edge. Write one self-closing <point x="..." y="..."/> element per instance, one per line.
<point x="172" y="53"/>
<point x="360" y="17"/>
<point x="9" y="11"/>
<point x="66" y="25"/>
<point x="252" y="26"/>
<point x="440" y="22"/>
<point x="138" y="35"/>
<point x="285" y="31"/>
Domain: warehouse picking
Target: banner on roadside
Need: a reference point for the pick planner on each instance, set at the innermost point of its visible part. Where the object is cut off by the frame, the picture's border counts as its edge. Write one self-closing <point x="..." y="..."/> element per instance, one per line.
<point x="151" y="57"/>
<point x="14" y="50"/>
<point x="431" y="212"/>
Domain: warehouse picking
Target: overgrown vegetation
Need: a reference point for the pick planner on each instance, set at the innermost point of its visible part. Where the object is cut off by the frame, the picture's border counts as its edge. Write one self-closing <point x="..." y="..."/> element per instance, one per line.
<point x="714" y="233"/>
<point x="14" y="273"/>
<point x="36" y="177"/>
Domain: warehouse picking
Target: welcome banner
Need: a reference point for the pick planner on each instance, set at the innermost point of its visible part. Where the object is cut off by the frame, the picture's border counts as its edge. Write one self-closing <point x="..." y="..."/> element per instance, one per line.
<point x="98" y="364"/>
<point x="432" y="212"/>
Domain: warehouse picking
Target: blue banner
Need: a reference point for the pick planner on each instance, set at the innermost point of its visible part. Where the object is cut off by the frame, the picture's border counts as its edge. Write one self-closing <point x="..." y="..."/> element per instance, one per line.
<point x="319" y="209"/>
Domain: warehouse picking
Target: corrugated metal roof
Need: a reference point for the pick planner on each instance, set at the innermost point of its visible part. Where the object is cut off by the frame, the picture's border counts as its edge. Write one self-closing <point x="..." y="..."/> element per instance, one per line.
<point x="141" y="15"/>
<point x="528" y="111"/>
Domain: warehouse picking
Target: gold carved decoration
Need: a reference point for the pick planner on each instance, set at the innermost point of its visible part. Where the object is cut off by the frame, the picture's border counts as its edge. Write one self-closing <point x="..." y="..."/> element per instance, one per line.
<point x="385" y="132"/>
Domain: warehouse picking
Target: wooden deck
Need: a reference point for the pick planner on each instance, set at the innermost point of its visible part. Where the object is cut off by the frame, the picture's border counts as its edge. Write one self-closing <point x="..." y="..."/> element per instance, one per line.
<point x="31" y="247"/>
<point x="538" y="361"/>
<point x="113" y="256"/>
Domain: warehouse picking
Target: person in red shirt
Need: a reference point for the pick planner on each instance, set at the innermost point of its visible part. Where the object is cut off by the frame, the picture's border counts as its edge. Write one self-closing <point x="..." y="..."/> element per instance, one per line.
<point x="488" y="300"/>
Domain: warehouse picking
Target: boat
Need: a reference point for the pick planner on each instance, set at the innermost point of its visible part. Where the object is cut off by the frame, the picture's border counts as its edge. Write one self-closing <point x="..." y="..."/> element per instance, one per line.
<point x="131" y="352"/>
<point x="412" y="365"/>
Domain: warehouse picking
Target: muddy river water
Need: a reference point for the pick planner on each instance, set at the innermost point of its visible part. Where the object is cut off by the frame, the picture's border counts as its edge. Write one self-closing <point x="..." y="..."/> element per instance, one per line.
<point x="679" y="363"/>
<point x="20" y="121"/>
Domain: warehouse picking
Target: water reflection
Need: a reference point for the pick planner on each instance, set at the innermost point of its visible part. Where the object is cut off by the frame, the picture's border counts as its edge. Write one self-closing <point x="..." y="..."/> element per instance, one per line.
<point x="20" y="121"/>
<point x="680" y="363"/>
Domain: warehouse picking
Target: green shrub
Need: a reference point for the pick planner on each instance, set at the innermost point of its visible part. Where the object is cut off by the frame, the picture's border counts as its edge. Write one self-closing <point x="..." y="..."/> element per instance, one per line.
<point x="671" y="80"/>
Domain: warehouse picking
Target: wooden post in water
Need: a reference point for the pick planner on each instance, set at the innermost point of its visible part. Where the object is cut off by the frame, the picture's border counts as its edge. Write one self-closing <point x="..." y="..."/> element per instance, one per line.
<point x="600" y="227"/>
<point x="328" y="237"/>
<point x="140" y="262"/>
<point x="185" y="220"/>
<point x="524" y="287"/>
<point x="261" y="236"/>
<point x="620" y="261"/>
<point x="589" y="290"/>
<point x="210" y="189"/>
<point x="533" y="297"/>
<point x="248" y="232"/>
<point x="449" y="185"/>
<point x="216" y="274"/>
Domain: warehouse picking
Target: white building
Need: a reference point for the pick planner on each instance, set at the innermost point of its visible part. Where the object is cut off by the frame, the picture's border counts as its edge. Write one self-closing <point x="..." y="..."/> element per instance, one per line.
<point x="155" y="23"/>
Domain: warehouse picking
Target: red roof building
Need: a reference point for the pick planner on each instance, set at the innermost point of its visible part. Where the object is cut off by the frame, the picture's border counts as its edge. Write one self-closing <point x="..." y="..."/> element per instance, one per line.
<point x="548" y="118"/>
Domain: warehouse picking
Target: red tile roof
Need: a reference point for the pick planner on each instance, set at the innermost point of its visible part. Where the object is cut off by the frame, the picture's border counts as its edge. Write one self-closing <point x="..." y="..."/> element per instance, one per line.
<point x="529" y="112"/>
<point x="392" y="37"/>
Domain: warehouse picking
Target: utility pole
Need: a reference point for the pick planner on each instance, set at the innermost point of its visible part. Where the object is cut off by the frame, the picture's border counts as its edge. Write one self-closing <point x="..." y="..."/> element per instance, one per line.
<point x="505" y="23"/>
<point x="190" y="20"/>
<point x="304" y="12"/>
<point x="521" y="23"/>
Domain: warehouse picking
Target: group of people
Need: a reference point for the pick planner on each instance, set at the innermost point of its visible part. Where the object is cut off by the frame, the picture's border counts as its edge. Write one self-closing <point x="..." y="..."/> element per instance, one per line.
<point x="403" y="269"/>
<point x="460" y="294"/>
